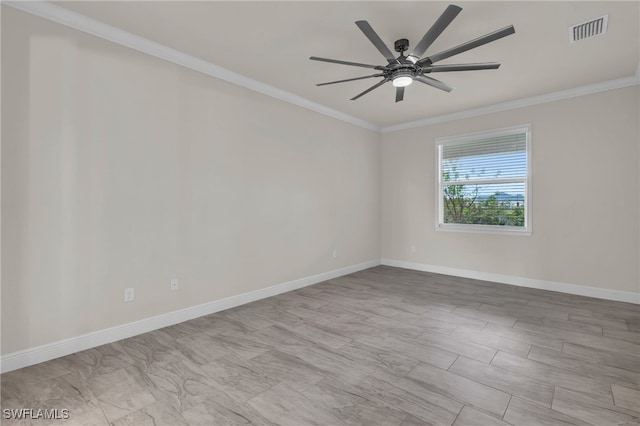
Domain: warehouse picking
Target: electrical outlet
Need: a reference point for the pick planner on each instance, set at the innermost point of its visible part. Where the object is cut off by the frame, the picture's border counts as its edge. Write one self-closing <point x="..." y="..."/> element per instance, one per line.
<point x="335" y="253"/>
<point x="129" y="294"/>
<point x="174" y="284"/>
<point x="413" y="249"/>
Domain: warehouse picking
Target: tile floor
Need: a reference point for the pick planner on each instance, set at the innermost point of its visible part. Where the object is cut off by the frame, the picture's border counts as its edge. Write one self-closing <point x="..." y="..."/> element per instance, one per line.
<point x="384" y="346"/>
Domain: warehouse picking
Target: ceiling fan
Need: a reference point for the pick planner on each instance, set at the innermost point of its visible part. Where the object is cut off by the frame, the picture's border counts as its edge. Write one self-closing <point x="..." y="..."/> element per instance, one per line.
<point x="404" y="70"/>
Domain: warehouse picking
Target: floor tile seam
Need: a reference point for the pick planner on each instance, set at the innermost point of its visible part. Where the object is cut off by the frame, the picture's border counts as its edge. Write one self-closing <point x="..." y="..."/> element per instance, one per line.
<point x="507" y="407"/>
<point x="606" y="377"/>
<point x="613" y="395"/>
<point x="534" y="335"/>
<point x="411" y="341"/>
<point x="611" y="353"/>
<point x="104" y="415"/>
<point x="523" y="374"/>
<point x="485" y="319"/>
<point x="570" y="321"/>
<point x="564" y="330"/>
<point x="558" y="305"/>
<point x="432" y="331"/>
<point x="555" y="384"/>
<point x="454" y="398"/>
<point x="526" y="398"/>
<point x="553" y="396"/>
<point x="290" y="388"/>
<point x="100" y="403"/>
<point x="458" y="415"/>
<point x="595" y="397"/>
<point x="436" y="346"/>
<point x="444" y="392"/>
<point x="507" y="410"/>
<point x="484" y="410"/>
<point x="636" y="412"/>
<point x="454" y="361"/>
<point x="632" y="372"/>
<point x="636" y="337"/>
<point x="493" y="357"/>
<point x="109" y="421"/>
<point x="614" y="352"/>
<point x="223" y="386"/>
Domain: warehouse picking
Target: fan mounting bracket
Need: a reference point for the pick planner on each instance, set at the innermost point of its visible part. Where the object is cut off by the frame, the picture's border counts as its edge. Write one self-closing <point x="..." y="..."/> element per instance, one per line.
<point x="401" y="45"/>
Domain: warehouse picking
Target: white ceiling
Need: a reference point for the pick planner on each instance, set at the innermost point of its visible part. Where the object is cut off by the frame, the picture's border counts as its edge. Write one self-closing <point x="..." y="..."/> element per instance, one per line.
<point x="271" y="42"/>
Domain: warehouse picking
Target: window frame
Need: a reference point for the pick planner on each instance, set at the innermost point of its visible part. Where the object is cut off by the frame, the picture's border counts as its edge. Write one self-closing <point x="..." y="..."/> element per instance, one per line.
<point x="485" y="229"/>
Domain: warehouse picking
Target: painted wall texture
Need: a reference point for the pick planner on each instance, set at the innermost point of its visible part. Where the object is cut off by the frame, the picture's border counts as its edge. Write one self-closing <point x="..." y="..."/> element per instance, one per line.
<point x="584" y="192"/>
<point x="122" y="170"/>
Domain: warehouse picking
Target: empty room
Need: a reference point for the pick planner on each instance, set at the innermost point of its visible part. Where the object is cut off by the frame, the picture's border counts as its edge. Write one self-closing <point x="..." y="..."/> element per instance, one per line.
<point x="320" y="213"/>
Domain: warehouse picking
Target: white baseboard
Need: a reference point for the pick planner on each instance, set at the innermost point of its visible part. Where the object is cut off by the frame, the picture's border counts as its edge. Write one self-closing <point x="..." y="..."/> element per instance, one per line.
<point x="600" y="293"/>
<point x="27" y="357"/>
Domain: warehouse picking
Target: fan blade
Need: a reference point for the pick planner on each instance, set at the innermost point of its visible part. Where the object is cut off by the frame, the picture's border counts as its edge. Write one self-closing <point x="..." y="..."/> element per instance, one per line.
<point x="399" y="94"/>
<point x="377" y="41"/>
<point x="433" y="82"/>
<point x="462" y="67"/>
<point x="488" y="38"/>
<point x="375" y="86"/>
<point x="434" y="32"/>
<point x="354" y="64"/>
<point x="351" y="79"/>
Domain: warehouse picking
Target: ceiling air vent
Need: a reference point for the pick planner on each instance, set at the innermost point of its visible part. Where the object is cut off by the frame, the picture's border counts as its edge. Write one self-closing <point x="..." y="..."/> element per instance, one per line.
<point x="591" y="28"/>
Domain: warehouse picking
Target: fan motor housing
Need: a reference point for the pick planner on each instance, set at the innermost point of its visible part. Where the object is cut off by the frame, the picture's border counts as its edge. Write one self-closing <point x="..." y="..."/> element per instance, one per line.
<point x="402" y="72"/>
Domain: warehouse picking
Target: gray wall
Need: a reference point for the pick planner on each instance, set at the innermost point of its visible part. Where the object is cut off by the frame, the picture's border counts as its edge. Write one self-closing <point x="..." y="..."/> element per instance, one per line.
<point x="585" y="191"/>
<point x="122" y="170"/>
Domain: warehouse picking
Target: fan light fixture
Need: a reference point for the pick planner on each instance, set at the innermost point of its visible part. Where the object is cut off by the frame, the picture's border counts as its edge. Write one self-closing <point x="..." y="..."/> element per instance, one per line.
<point x="402" y="81"/>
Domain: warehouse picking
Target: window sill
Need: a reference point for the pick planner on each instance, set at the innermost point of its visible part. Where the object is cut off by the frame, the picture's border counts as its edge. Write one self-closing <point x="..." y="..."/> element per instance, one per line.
<point x="485" y="229"/>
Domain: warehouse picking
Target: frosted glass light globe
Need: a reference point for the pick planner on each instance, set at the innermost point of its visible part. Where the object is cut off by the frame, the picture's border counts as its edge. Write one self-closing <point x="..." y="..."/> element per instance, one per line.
<point x="402" y="81"/>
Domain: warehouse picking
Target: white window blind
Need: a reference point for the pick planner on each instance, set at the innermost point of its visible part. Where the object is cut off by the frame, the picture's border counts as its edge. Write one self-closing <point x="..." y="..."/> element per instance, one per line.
<point x="483" y="181"/>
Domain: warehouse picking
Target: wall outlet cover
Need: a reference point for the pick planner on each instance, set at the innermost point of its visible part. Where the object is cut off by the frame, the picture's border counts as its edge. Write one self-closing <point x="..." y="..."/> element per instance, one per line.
<point x="129" y="294"/>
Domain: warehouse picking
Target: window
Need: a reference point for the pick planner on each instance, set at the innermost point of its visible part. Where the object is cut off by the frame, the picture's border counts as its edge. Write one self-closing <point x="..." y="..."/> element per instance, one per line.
<point x="483" y="182"/>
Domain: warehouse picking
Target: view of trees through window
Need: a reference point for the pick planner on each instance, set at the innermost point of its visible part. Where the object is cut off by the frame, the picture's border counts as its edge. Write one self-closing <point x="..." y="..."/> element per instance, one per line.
<point x="483" y="181"/>
<point x="482" y="204"/>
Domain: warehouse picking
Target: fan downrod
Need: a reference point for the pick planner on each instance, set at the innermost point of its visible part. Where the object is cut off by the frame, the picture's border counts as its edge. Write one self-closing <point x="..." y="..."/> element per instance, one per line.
<point x="401" y="45"/>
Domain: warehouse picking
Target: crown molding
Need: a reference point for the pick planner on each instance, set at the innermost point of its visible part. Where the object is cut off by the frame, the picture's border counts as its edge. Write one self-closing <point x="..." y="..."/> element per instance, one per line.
<point x="94" y="27"/>
<point x="520" y="103"/>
